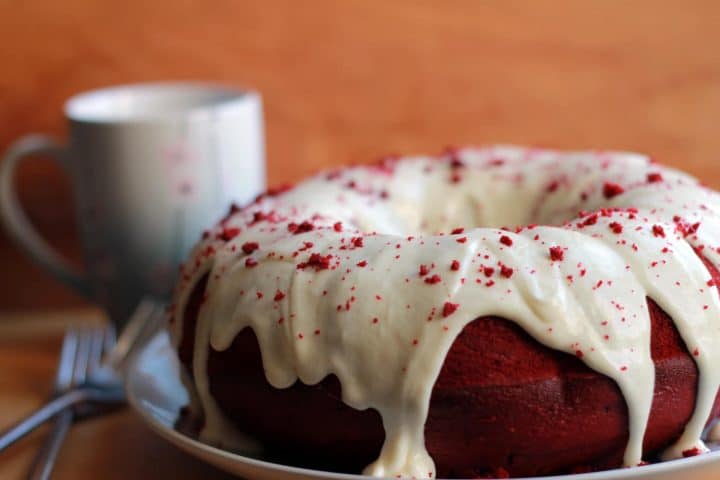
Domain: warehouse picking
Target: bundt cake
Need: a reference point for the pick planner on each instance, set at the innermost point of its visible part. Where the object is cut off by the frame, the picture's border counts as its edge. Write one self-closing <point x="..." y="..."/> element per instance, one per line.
<point x="457" y="316"/>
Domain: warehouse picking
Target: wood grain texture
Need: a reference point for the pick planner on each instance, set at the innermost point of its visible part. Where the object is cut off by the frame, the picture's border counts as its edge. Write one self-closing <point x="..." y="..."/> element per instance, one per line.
<point x="346" y="81"/>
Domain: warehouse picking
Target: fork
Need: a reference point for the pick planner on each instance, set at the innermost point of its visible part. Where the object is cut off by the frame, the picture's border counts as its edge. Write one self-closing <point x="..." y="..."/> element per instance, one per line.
<point x="104" y="385"/>
<point x="73" y="370"/>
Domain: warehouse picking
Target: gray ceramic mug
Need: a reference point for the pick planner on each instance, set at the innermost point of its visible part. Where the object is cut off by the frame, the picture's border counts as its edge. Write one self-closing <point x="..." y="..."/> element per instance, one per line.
<point x="151" y="166"/>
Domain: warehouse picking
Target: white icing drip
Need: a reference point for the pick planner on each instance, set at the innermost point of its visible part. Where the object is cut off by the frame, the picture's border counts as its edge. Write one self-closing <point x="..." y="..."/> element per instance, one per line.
<point x="376" y="323"/>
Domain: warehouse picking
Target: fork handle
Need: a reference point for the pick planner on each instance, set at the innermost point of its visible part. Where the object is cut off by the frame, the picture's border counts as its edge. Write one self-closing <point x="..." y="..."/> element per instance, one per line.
<point x="40" y="416"/>
<point x="45" y="460"/>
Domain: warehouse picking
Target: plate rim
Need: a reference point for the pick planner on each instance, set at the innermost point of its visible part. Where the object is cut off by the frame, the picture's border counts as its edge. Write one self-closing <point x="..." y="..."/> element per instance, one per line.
<point x="192" y="446"/>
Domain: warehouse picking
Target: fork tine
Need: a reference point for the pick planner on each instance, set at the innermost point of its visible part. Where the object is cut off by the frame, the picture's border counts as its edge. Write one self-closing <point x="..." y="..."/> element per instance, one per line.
<point x="110" y="340"/>
<point x="63" y="377"/>
<point x="82" y="357"/>
<point x="97" y="345"/>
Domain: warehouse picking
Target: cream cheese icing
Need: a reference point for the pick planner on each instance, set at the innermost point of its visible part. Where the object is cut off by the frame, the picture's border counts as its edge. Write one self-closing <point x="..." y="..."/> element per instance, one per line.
<point x="371" y="272"/>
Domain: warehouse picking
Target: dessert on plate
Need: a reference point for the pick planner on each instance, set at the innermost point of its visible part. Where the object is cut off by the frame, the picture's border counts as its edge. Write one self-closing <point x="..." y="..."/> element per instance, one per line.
<point x="491" y="311"/>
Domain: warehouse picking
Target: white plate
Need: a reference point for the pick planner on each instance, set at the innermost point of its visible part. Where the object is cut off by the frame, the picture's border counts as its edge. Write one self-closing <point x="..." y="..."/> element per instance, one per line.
<point x="156" y="393"/>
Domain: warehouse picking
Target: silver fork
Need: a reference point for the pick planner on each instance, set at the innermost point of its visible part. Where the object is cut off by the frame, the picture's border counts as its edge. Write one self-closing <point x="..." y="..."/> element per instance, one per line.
<point x="104" y="385"/>
<point x="72" y="371"/>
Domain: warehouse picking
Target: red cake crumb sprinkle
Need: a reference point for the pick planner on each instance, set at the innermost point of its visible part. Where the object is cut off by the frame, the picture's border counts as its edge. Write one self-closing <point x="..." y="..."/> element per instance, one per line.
<point x="234" y="208"/>
<point x="658" y="231"/>
<point x="316" y="261"/>
<point x="611" y="190"/>
<point x="362" y="264"/>
<point x="591" y="220"/>
<point x="505" y="240"/>
<point x="457" y="231"/>
<point x="306" y="246"/>
<point x="424" y="270"/>
<point x="278" y="296"/>
<point x="249" y="247"/>
<point x="454" y="156"/>
<point x="303" y="227"/>
<point x="262" y="217"/>
<point x="375" y="320"/>
<point x="654" y="177"/>
<point x="259" y="295"/>
<point x="455" y="265"/>
<point x="506" y="271"/>
<point x="357" y="241"/>
<point x="616" y="227"/>
<point x="691" y="452"/>
<point x="579" y="353"/>
<point x="684" y="228"/>
<point x="461" y="240"/>
<point x="488" y="271"/>
<point x="696" y="352"/>
<point x="250" y="262"/>
<point x="337" y="226"/>
<point x="433" y="280"/>
<point x="556" y="253"/>
<point x="229" y="233"/>
<point x="449" y="309"/>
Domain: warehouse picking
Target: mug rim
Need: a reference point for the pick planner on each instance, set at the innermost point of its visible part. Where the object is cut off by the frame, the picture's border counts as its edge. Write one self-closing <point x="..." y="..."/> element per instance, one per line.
<point x="218" y="96"/>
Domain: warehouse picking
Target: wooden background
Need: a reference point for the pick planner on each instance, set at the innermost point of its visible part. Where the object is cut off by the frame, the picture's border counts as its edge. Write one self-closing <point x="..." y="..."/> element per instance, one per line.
<point x="348" y="80"/>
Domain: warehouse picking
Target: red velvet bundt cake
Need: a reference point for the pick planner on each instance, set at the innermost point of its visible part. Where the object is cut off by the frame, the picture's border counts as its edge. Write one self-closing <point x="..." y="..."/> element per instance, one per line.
<point x="428" y="339"/>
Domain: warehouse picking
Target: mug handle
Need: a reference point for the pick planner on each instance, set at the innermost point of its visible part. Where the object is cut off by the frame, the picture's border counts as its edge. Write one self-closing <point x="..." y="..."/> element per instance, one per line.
<point x="16" y="222"/>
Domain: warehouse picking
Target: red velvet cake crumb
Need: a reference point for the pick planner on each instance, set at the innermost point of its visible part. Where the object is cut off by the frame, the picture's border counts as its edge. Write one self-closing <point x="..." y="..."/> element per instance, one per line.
<point x="616" y="227"/>
<point x="433" y="280"/>
<point x="611" y="190"/>
<point x="654" y="177"/>
<point x="249" y="247"/>
<point x="556" y="253"/>
<point x="658" y="231"/>
<point x="229" y="233"/>
<point x="449" y="309"/>
<point x="691" y="452"/>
